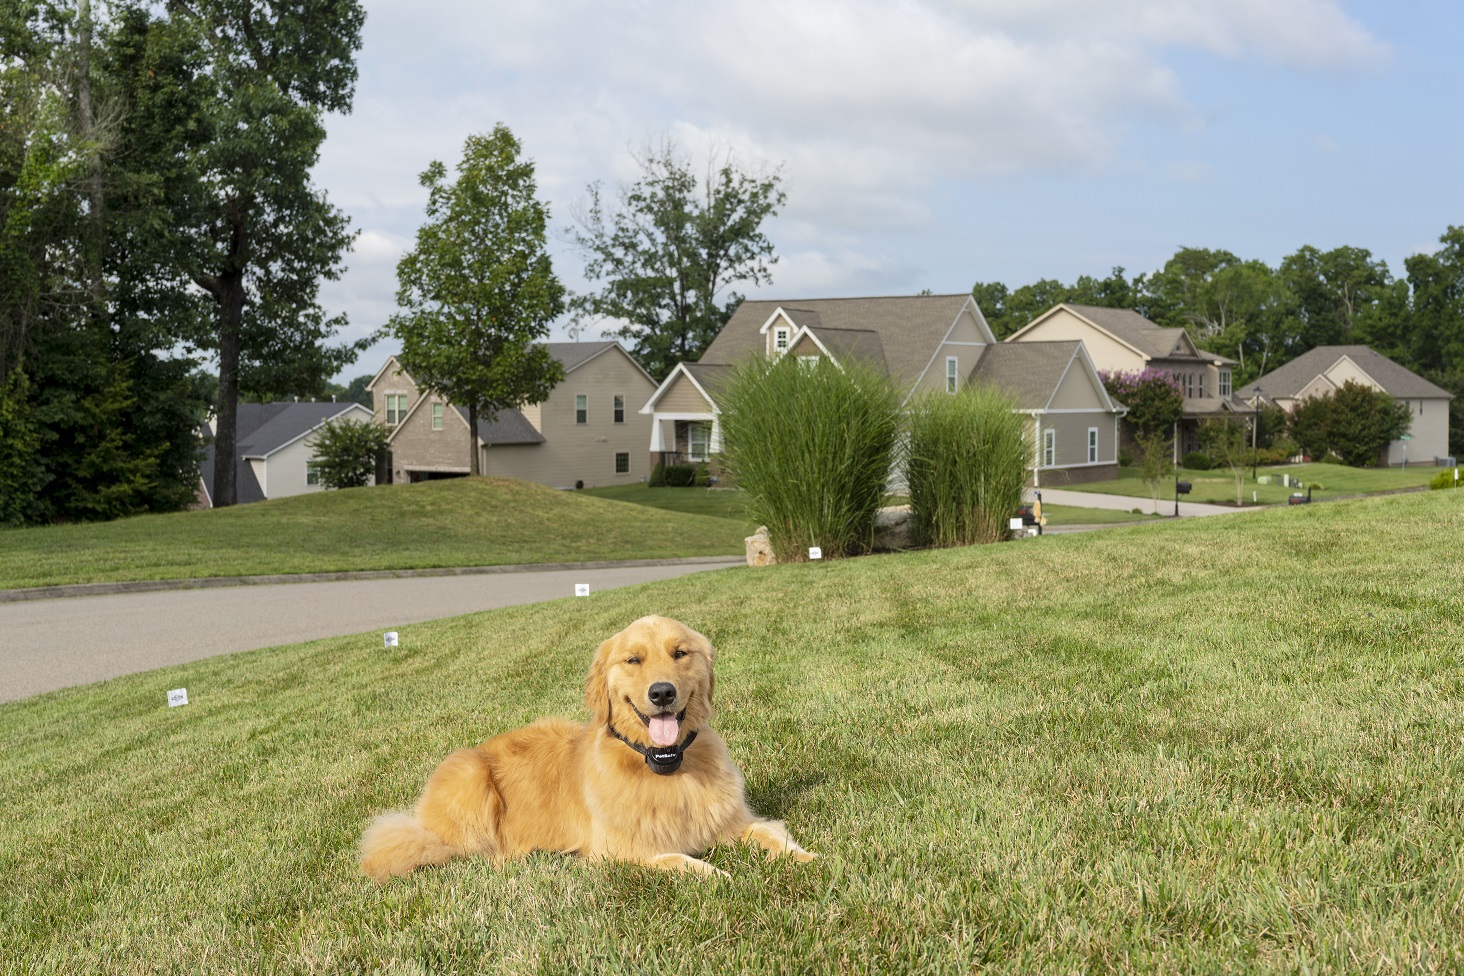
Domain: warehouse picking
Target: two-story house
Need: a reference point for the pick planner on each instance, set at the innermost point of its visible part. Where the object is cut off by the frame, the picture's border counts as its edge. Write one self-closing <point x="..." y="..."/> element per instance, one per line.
<point x="586" y="434"/>
<point x="1120" y="340"/>
<point x="926" y="344"/>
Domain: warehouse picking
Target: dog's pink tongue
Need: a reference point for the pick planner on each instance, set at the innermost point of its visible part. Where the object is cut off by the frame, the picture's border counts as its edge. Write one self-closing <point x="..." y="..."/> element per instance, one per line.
<point x="663" y="730"/>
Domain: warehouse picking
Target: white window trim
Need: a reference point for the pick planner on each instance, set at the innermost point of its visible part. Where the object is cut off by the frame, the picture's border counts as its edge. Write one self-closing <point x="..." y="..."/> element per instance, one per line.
<point x="615" y="462"/>
<point x="439" y="412"/>
<point x="784" y="335"/>
<point x="690" y="447"/>
<point x="577" y="398"/>
<point x="1092" y="445"/>
<point x="1049" y="447"/>
<point x="312" y="465"/>
<point x="617" y="406"/>
<point x="953" y="372"/>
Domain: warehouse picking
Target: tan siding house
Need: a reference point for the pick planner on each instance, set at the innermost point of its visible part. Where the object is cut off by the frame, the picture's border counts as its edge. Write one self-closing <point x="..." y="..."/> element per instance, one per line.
<point x="1120" y="340"/>
<point x="926" y="344"/>
<point x="1325" y="368"/>
<point x="575" y="438"/>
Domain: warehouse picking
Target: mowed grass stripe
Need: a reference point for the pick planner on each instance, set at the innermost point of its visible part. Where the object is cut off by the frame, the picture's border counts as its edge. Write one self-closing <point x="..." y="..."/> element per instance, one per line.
<point x="461" y="522"/>
<point x="1217" y="744"/>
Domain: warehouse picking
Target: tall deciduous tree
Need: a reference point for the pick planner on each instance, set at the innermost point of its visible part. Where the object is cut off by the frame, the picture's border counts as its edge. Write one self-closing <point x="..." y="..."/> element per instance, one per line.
<point x="478" y="290"/>
<point x="250" y="228"/>
<point x="670" y="249"/>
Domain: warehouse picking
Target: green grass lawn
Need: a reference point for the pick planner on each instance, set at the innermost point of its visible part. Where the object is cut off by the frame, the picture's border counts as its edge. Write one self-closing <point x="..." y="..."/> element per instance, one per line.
<point x="719" y="503"/>
<point x="1210" y="745"/>
<point x="459" y="522"/>
<point x="1218" y="486"/>
<point x="1073" y="515"/>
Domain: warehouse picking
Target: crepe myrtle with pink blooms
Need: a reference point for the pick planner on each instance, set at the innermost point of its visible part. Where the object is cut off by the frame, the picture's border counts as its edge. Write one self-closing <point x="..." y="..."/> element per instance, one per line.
<point x="1154" y="397"/>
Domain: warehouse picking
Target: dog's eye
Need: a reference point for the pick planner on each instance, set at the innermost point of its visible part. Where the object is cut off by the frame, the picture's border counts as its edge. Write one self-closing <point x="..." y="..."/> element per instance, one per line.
<point x="632" y="660"/>
<point x="678" y="655"/>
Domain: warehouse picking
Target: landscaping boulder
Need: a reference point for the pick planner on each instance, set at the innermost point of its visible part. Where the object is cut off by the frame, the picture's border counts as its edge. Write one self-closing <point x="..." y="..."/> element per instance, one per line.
<point x="892" y="528"/>
<point x="760" y="548"/>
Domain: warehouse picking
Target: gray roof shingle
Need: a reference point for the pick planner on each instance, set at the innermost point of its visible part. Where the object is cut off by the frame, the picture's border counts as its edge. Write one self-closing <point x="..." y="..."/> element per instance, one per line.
<point x="511" y="427"/>
<point x="259" y="429"/>
<point x="1155" y="341"/>
<point x="908" y="327"/>
<point x="1027" y="371"/>
<point x="572" y="354"/>
<point x="1293" y="377"/>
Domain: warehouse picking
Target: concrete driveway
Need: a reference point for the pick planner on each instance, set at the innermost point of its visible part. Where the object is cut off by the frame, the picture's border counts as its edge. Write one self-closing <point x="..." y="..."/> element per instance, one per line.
<point x="57" y="643"/>
<point x="1127" y="503"/>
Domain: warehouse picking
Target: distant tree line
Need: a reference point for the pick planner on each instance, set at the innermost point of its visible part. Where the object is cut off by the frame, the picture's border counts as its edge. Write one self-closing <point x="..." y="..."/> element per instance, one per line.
<point x="156" y="210"/>
<point x="1264" y="317"/>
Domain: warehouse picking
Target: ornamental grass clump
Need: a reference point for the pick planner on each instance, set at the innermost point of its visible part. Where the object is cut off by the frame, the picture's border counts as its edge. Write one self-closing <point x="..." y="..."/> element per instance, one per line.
<point x="966" y="467"/>
<point x="810" y="444"/>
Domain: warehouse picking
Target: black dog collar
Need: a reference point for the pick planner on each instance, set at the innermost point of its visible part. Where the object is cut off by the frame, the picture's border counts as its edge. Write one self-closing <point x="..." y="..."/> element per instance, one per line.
<point x="664" y="760"/>
<point x="661" y="760"/>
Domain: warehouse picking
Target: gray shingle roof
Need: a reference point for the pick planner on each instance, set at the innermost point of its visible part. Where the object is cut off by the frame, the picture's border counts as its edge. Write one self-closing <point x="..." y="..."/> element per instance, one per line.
<point x="511" y="427"/>
<point x="909" y="327"/>
<point x="1155" y="341"/>
<point x="259" y="429"/>
<point x="1027" y="371"/>
<point x="1292" y="378"/>
<point x="854" y="345"/>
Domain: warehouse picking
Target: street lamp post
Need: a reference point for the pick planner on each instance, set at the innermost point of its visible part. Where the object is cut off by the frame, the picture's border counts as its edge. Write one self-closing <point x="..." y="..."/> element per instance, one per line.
<point x="1255" y="429"/>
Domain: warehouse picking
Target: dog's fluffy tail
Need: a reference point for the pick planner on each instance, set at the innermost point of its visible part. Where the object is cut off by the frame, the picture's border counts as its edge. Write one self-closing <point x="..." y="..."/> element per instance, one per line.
<point x="396" y="843"/>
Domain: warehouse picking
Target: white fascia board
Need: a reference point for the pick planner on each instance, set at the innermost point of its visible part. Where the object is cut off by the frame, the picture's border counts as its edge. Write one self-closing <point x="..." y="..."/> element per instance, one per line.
<point x="980" y="318"/>
<point x="650" y="407"/>
<point x="804" y="331"/>
<point x="778" y="313"/>
<point x="1089" y="322"/>
<point x="1097" y="380"/>
<point x="943" y="339"/>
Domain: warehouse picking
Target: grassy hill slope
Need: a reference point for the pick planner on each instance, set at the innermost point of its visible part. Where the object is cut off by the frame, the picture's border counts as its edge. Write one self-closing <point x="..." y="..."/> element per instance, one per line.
<point x="1217" y="744"/>
<point x="461" y="522"/>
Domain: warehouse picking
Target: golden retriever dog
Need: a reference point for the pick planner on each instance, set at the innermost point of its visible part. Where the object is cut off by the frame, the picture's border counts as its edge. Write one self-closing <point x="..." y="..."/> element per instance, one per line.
<point x="647" y="781"/>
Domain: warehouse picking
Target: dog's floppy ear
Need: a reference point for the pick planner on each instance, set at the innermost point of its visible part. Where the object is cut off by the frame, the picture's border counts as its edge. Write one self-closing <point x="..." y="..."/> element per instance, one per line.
<point x="597" y="691"/>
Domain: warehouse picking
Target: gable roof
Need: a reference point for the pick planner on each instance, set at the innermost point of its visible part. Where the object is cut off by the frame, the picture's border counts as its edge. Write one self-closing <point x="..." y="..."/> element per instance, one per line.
<point x="1293" y="377"/>
<point x="706" y="377"/>
<point x="573" y="355"/>
<point x="261" y="429"/>
<point x="849" y="345"/>
<point x="1148" y="339"/>
<point x="382" y="371"/>
<point x="909" y="328"/>
<point x="1030" y="372"/>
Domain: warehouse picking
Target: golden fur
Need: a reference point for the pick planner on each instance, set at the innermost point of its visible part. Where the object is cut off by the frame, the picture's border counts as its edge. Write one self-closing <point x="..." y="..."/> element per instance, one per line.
<point x="563" y="786"/>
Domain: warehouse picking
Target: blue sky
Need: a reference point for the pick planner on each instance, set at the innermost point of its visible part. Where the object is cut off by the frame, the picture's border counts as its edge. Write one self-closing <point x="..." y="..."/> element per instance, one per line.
<point x="930" y="144"/>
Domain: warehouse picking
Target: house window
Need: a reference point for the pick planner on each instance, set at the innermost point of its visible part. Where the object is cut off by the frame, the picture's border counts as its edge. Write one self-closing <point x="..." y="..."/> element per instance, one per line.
<point x="312" y="472"/>
<point x="1189" y="384"/>
<point x="698" y="440"/>
<point x="1202" y="385"/>
<point x="396" y="408"/>
<point x="952" y="367"/>
<point x="1225" y="382"/>
<point x="780" y="341"/>
<point x="581" y="409"/>
<point x="437" y="416"/>
<point x="619" y="409"/>
<point x="808" y="362"/>
<point x="1092" y="445"/>
<point x="622" y="462"/>
<point x="1049" y="447"/>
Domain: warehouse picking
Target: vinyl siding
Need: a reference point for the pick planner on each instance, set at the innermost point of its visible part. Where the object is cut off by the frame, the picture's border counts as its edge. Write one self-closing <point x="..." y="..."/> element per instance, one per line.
<point x="574" y="452"/>
<point x="1072" y="437"/>
<point x="1430" y="432"/>
<point x="1077" y="391"/>
<point x="1108" y="355"/>
<point x="680" y="397"/>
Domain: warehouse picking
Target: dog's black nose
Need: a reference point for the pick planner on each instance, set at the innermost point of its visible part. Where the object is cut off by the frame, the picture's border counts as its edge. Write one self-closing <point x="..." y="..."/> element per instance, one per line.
<point x="662" y="693"/>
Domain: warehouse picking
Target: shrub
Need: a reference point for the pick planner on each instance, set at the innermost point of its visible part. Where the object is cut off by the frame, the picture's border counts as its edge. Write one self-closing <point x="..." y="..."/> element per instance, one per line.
<point x="1354" y="422"/>
<point x="810" y="444"/>
<point x="680" y="475"/>
<point x="346" y="452"/>
<point x="658" y="476"/>
<point x="1125" y="459"/>
<point x="1154" y="398"/>
<point x="1198" y="461"/>
<point x="1444" y="479"/>
<point x="966" y="466"/>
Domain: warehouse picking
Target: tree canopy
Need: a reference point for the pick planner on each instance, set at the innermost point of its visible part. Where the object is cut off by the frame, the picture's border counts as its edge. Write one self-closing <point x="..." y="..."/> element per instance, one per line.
<point x="478" y="290"/>
<point x="667" y="251"/>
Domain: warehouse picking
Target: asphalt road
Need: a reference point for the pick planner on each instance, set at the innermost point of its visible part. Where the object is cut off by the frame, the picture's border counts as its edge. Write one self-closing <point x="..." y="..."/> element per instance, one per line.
<point x="50" y="644"/>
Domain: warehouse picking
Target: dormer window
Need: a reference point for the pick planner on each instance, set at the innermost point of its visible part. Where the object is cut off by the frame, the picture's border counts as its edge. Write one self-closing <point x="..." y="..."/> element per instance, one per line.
<point x="780" y="341"/>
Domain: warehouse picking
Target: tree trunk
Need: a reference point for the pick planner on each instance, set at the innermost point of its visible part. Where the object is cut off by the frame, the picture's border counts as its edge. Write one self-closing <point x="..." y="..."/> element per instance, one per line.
<point x="87" y="119"/>
<point x="474" y="468"/>
<point x="231" y="317"/>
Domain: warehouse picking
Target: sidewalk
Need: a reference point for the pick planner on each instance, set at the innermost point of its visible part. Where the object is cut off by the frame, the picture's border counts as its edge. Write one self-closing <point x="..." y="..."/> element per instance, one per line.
<point x="1127" y="503"/>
